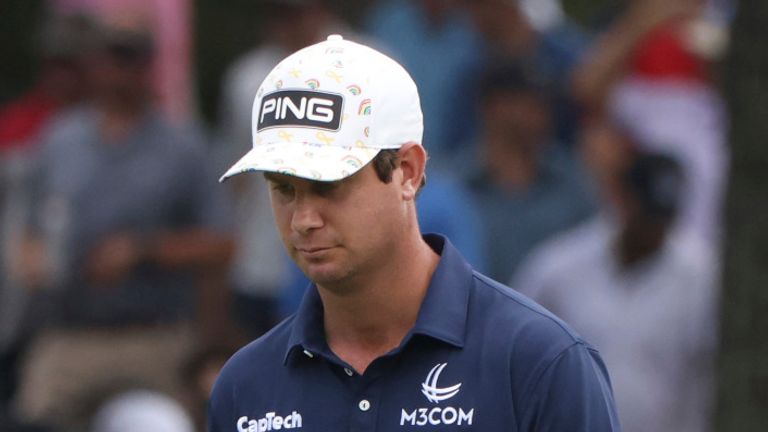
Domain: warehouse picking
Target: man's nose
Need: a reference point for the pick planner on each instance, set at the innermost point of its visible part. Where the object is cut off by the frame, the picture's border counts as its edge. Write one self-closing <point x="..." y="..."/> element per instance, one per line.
<point x="306" y="215"/>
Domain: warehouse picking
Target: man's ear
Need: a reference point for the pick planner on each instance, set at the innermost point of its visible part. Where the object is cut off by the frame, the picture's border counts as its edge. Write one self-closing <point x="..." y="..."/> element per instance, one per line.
<point x="412" y="159"/>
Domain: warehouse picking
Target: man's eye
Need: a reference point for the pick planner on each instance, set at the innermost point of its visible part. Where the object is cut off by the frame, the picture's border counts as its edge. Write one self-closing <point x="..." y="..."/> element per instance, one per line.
<point x="324" y="188"/>
<point x="282" y="188"/>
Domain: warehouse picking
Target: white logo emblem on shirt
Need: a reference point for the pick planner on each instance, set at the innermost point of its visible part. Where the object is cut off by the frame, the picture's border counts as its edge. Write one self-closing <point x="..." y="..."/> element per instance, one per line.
<point x="434" y="393"/>
<point x="434" y="415"/>
<point x="271" y="421"/>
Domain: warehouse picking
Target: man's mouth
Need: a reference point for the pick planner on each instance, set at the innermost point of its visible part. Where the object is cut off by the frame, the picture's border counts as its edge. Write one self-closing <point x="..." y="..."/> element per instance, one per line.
<point x="313" y="250"/>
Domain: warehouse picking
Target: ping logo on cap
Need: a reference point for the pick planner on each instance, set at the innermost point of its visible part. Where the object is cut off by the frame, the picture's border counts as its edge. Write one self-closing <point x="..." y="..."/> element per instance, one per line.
<point x="301" y="108"/>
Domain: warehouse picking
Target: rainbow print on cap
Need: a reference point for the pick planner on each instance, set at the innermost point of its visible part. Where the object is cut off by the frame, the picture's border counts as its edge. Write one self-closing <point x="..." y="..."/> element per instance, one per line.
<point x="365" y="107"/>
<point x="354" y="89"/>
<point x="312" y="116"/>
<point x="352" y="161"/>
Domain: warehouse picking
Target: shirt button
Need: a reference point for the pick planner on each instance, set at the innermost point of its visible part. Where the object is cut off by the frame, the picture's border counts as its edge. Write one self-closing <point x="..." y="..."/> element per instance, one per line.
<point x="349" y="371"/>
<point x="364" y="405"/>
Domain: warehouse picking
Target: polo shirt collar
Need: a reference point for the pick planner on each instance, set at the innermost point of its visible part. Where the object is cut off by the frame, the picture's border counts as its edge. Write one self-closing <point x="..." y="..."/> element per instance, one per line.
<point x="443" y="313"/>
<point x="308" y="330"/>
<point x="442" y="316"/>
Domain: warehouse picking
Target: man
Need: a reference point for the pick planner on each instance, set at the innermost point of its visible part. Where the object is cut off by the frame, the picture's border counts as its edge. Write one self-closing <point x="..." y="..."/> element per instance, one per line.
<point x="60" y="85"/>
<point x="648" y="72"/>
<point x="258" y="275"/>
<point x="130" y="224"/>
<point x="538" y="33"/>
<point x="639" y="287"/>
<point x="444" y="64"/>
<point x="397" y="332"/>
<point x="526" y="185"/>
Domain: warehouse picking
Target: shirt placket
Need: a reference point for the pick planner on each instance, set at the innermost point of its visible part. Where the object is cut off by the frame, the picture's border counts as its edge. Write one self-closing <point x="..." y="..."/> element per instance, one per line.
<point x="367" y="401"/>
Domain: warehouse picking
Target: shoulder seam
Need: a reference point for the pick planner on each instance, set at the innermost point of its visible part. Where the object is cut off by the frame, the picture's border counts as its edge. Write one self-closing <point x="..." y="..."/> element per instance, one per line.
<point x="575" y="338"/>
<point x="535" y="383"/>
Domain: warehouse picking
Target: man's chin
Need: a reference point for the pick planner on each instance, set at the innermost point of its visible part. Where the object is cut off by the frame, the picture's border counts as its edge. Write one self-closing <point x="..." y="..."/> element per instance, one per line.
<point x="325" y="274"/>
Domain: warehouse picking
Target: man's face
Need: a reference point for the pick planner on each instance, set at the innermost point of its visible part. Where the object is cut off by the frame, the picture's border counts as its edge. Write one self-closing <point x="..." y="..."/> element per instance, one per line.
<point x="519" y="118"/>
<point x="336" y="231"/>
<point x="495" y="18"/>
<point x="121" y="76"/>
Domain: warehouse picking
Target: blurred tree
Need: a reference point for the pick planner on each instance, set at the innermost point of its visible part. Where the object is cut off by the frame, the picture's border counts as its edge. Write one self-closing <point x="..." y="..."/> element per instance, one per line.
<point x="225" y="30"/>
<point x="593" y="13"/>
<point x="18" y="21"/>
<point x="743" y="377"/>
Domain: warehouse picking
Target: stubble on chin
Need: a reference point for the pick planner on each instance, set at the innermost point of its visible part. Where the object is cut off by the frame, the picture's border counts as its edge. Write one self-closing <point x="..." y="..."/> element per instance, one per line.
<point x="338" y="279"/>
<point x="320" y="270"/>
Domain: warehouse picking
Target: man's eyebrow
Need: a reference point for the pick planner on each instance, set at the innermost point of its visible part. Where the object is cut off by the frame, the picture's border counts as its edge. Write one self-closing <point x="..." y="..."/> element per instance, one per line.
<point x="271" y="177"/>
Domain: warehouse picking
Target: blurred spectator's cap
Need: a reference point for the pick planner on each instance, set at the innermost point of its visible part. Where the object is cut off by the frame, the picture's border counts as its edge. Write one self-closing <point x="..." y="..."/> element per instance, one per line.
<point x="512" y="76"/>
<point x="327" y="110"/>
<point x="542" y="15"/>
<point x="663" y="53"/>
<point x="290" y="3"/>
<point x="67" y="36"/>
<point x="657" y="182"/>
<point x="129" y="41"/>
<point x="282" y="7"/>
<point x="141" y="411"/>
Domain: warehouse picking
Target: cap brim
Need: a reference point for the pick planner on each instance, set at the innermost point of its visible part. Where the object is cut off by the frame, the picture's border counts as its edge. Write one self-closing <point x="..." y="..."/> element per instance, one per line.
<point x="311" y="161"/>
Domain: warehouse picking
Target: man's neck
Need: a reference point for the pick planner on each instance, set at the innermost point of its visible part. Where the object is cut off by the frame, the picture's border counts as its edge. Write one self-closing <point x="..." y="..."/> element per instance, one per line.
<point x="635" y="244"/>
<point x="117" y="124"/>
<point x="372" y="321"/>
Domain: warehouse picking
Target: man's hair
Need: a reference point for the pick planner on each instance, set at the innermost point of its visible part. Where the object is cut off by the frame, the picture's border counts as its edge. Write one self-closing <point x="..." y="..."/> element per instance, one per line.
<point x="385" y="162"/>
<point x="513" y="76"/>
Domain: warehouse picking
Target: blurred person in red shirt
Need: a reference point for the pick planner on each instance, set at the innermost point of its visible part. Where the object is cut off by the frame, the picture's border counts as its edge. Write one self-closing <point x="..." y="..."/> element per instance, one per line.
<point x="651" y="72"/>
<point x="63" y="44"/>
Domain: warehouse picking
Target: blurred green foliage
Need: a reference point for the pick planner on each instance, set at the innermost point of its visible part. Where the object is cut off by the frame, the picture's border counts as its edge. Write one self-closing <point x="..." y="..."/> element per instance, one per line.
<point x="18" y="19"/>
<point x="742" y="403"/>
<point x="223" y="31"/>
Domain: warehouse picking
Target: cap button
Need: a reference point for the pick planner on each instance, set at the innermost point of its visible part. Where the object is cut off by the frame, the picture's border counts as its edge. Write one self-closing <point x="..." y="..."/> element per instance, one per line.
<point x="335" y="38"/>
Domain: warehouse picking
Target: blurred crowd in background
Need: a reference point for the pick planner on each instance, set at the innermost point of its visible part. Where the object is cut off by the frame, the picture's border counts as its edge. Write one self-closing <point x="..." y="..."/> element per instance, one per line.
<point x="582" y="163"/>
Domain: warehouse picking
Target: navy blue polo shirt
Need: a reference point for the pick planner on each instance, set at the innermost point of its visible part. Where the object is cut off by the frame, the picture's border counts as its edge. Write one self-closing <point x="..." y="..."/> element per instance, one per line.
<point x="480" y="357"/>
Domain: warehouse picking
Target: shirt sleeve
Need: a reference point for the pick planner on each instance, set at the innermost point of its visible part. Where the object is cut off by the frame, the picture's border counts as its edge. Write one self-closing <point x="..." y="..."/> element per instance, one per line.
<point x="220" y="408"/>
<point x="36" y="185"/>
<point x="207" y="203"/>
<point x="573" y="393"/>
<point x="214" y="425"/>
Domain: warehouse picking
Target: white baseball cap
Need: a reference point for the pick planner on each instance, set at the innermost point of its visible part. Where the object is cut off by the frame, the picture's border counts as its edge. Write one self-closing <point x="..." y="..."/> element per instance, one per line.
<point x="327" y="110"/>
